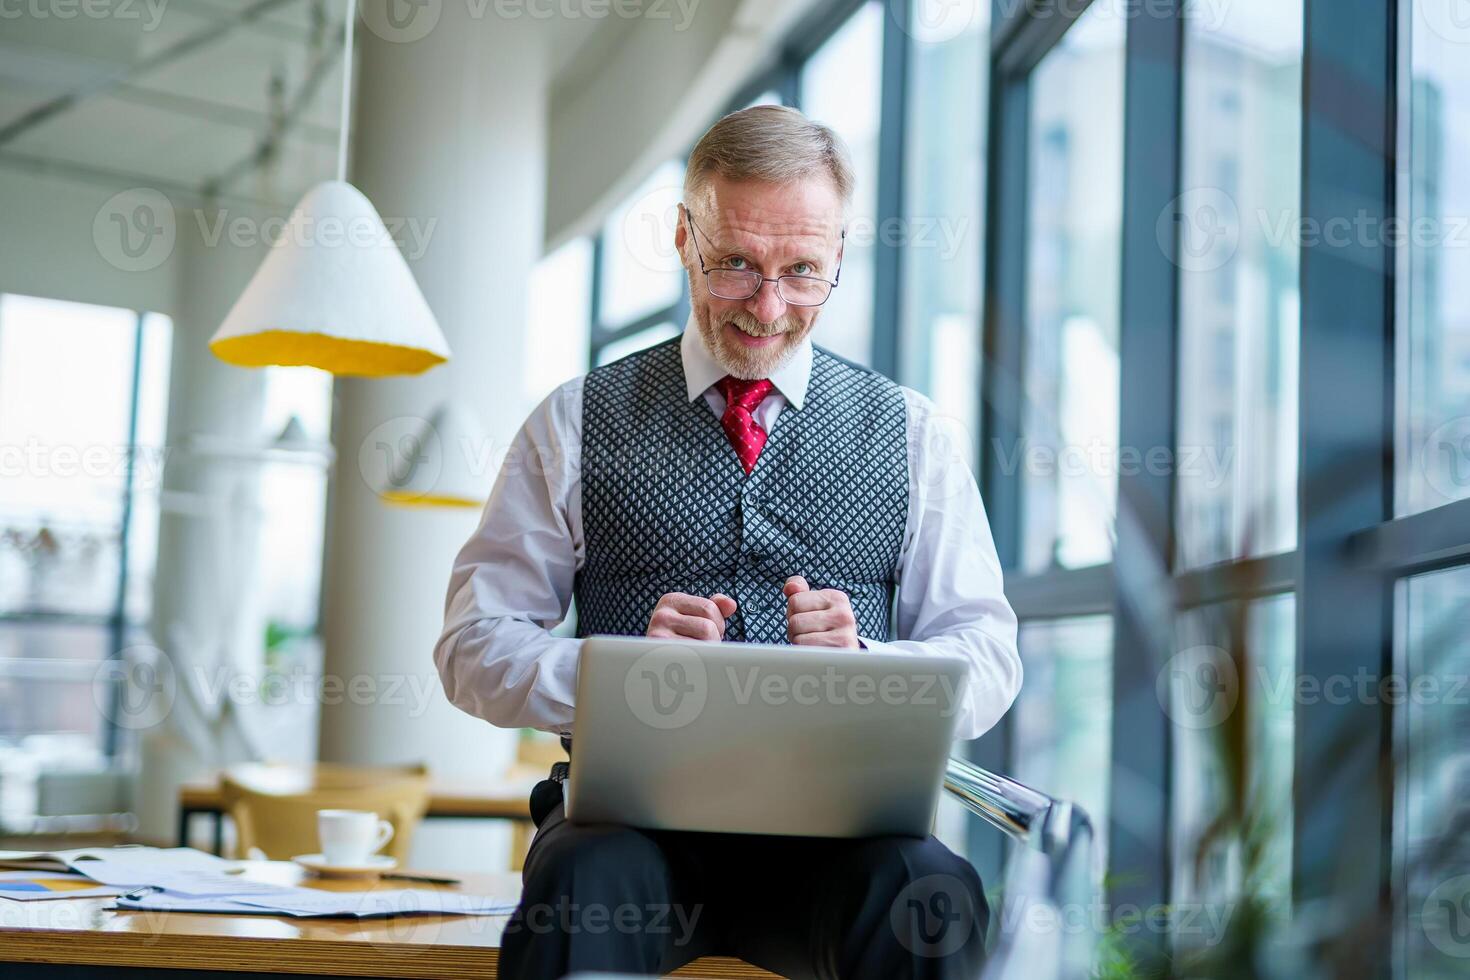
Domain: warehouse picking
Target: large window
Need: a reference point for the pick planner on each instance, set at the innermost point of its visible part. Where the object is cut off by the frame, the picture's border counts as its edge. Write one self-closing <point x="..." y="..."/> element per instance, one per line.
<point x="1074" y="204"/>
<point x="1238" y="322"/>
<point x="1432" y="469"/>
<point x="1434" y="334"/>
<point x="1435" y="791"/>
<point x="1063" y="716"/>
<point x="840" y="86"/>
<point x="83" y="455"/>
<point x="944" y="233"/>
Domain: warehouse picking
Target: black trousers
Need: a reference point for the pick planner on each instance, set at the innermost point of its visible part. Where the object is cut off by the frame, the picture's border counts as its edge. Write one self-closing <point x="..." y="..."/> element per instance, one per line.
<point x="610" y="898"/>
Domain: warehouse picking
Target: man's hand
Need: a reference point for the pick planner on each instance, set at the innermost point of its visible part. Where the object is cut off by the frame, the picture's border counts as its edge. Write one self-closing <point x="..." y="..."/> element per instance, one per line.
<point x="691" y="617"/>
<point x="819" y="619"/>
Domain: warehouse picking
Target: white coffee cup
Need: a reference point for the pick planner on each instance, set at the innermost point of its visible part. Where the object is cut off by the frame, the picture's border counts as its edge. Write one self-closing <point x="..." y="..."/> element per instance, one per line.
<point x="350" y="837"/>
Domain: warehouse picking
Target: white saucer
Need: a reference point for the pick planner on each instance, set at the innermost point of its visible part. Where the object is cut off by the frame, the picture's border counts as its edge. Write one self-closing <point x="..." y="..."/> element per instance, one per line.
<point x="371" y="868"/>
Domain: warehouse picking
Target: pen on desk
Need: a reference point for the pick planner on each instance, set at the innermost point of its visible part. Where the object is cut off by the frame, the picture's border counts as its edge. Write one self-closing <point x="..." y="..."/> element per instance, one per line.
<point x="426" y="879"/>
<point x="138" y="893"/>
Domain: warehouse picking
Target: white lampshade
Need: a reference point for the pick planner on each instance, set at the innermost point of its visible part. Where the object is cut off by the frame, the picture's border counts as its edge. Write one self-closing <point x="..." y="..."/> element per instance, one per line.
<point x="443" y="472"/>
<point x="334" y="293"/>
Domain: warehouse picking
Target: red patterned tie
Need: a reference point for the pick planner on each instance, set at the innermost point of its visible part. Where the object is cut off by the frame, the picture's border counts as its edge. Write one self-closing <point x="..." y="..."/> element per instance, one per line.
<point x="741" y="398"/>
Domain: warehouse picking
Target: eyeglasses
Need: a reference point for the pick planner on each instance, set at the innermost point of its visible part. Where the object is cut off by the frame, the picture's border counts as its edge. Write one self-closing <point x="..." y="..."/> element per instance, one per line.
<point x="745" y="283"/>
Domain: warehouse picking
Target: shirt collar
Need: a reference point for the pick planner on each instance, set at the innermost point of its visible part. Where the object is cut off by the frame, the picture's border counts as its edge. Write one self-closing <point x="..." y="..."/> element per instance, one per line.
<point x="701" y="370"/>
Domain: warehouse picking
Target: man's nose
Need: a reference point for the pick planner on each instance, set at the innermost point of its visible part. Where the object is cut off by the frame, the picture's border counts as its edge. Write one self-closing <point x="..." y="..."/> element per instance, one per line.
<point x="766" y="305"/>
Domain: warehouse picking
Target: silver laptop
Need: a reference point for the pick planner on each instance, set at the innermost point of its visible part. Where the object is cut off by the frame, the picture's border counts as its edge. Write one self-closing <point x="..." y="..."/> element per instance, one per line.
<point x="742" y="738"/>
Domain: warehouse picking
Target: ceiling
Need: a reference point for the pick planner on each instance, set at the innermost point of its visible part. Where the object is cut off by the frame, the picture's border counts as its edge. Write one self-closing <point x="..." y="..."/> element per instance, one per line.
<point x="235" y="97"/>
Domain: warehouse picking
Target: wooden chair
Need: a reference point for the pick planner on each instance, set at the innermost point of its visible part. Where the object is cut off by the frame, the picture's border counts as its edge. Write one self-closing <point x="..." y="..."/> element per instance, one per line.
<point x="278" y="817"/>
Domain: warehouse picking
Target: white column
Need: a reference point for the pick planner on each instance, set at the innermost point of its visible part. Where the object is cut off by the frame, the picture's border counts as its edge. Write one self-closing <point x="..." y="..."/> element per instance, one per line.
<point x="207" y="618"/>
<point x="450" y="138"/>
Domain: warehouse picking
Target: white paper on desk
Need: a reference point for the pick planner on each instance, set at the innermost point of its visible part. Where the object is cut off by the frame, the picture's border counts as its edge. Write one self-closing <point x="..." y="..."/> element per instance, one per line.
<point x="160" y="902"/>
<point x="402" y="901"/>
<point x="179" y="870"/>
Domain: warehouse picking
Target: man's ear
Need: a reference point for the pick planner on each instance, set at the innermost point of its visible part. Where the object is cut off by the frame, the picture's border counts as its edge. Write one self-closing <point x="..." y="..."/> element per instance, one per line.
<point x="681" y="230"/>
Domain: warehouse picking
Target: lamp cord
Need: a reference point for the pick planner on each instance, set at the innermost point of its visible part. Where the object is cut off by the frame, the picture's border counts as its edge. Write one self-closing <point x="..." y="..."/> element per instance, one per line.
<point x="343" y="127"/>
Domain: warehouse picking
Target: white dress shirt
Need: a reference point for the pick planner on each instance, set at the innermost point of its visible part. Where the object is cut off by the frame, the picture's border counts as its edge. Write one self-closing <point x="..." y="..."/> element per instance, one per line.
<point x="512" y="581"/>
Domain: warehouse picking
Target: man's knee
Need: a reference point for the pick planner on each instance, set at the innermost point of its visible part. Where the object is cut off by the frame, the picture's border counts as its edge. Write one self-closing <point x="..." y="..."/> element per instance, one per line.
<point x="602" y="858"/>
<point x="923" y="905"/>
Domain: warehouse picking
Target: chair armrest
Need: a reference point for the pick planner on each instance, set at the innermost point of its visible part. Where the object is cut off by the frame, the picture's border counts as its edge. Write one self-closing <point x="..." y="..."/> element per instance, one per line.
<point x="1044" y="823"/>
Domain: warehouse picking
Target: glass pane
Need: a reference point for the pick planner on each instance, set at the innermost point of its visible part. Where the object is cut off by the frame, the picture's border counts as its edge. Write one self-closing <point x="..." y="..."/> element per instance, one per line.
<point x="1230" y="691"/>
<point x="293" y="498"/>
<point x="641" y="271"/>
<point x="64" y="435"/>
<point x="631" y="345"/>
<point x="46" y="674"/>
<point x="154" y="364"/>
<point x="1064" y="715"/>
<point x="1239" y="302"/>
<point x="1070" y="416"/>
<point x="944" y="236"/>
<point x="1434" y="755"/>
<point x="841" y="87"/>
<point x="559" y="312"/>
<point x="1434" y="343"/>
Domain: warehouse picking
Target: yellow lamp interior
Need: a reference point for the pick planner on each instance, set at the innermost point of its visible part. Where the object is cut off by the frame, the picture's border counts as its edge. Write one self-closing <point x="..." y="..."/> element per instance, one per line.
<point x="286" y="348"/>
<point x="403" y="498"/>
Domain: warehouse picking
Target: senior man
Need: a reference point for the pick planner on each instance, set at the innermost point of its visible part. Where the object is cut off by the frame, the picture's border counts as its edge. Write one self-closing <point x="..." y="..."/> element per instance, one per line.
<point x="737" y="483"/>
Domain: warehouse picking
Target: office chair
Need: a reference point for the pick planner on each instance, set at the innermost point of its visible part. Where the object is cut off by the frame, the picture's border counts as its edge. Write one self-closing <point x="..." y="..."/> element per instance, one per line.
<point x="1053" y="871"/>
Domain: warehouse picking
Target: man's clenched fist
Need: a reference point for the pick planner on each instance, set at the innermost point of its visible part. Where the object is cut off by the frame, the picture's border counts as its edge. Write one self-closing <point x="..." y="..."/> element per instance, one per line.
<point x="691" y="617"/>
<point x="819" y="618"/>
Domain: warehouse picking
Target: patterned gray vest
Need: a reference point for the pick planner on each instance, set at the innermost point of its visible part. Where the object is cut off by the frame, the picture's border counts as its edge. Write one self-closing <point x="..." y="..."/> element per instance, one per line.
<point x="667" y="507"/>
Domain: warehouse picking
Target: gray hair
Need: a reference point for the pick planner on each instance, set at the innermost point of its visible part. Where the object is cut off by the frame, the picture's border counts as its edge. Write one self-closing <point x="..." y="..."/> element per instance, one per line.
<point x="770" y="143"/>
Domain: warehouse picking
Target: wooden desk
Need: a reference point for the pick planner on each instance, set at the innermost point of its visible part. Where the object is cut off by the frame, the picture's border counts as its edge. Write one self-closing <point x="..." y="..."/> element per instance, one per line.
<point x="82" y="938"/>
<point x="506" y="801"/>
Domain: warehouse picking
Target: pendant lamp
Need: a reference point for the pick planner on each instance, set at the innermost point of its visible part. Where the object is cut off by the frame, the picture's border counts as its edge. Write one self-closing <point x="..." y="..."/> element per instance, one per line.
<point x="334" y="293"/>
<point x="442" y="470"/>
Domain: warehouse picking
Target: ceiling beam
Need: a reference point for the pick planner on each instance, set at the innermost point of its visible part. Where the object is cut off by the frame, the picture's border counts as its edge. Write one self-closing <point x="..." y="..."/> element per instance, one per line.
<point x="100" y="84"/>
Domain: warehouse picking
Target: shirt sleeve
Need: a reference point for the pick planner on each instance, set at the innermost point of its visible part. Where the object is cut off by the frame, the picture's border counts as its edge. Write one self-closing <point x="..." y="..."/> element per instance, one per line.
<point x="950" y="597"/>
<point x="512" y="581"/>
